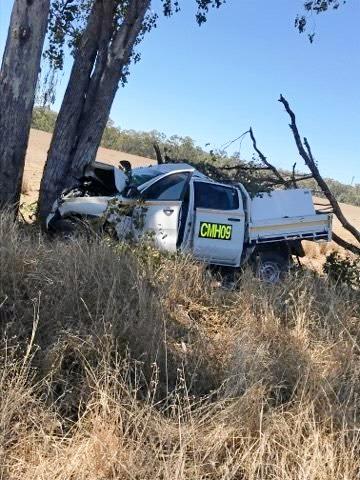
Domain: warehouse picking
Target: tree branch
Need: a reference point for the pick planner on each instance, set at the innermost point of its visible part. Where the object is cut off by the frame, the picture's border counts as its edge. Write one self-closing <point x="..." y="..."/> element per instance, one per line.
<point x="293" y="179"/>
<point x="158" y="154"/>
<point x="306" y="154"/>
<point x="265" y="161"/>
<point x="305" y="177"/>
<point x="344" y="244"/>
<point x="243" y="167"/>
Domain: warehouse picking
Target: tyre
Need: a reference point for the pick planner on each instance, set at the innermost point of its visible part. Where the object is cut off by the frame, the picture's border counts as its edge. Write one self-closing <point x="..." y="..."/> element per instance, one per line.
<point x="70" y="228"/>
<point x="271" y="267"/>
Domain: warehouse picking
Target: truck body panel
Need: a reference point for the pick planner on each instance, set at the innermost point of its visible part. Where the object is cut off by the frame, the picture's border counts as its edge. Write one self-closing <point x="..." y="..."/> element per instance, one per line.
<point x="282" y="204"/>
<point x="310" y="227"/>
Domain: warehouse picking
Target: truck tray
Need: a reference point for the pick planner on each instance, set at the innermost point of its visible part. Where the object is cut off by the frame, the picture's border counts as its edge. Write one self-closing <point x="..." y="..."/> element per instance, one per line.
<point x="310" y="227"/>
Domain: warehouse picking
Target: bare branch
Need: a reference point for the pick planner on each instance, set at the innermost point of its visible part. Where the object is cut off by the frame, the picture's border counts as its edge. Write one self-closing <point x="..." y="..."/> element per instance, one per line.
<point x="243" y="167"/>
<point x="158" y="154"/>
<point x="305" y="177"/>
<point x="344" y="244"/>
<point x="293" y="179"/>
<point x="265" y="161"/>
<point x="306" y="154"/>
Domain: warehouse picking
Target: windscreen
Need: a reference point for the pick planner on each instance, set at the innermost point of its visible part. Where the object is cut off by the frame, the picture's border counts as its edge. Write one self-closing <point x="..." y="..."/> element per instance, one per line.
<point x="139" y="176"/>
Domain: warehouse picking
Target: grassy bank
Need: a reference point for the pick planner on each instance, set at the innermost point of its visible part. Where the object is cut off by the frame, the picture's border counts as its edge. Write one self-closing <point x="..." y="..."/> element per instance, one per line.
<point x="122" y="363"/>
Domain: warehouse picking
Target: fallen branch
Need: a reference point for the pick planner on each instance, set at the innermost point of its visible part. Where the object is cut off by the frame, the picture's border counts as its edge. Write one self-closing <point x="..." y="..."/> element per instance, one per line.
<point x="265" y="161"/>
<point x="243" y="167"/>
<point x="344" y="244"/>
<point x="293" y="179"/>
<point x="306" y="153"/>
<point x="305" y="177"/>
<point x="159" y="157"/>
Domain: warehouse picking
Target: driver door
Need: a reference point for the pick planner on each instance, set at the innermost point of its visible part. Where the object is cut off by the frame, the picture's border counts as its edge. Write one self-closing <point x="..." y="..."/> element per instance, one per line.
<point x="158" y="219"/>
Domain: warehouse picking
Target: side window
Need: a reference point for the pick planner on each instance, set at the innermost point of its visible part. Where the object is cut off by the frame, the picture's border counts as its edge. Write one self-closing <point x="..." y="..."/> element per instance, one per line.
<point x="168" y="188"/>
<point x="215" y="197"/>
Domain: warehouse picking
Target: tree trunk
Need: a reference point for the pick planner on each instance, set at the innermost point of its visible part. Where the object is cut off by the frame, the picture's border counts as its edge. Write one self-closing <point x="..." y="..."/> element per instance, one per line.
<point x="113" y="52"/>
<point x="97" y="113"/>
<point x="18" y="76"/>
<point x="65" y="131"/>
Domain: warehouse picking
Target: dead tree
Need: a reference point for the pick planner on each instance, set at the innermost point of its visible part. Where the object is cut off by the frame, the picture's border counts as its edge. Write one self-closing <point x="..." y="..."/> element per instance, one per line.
<point x="306" y="153"/>
<point x="18" y="77"/>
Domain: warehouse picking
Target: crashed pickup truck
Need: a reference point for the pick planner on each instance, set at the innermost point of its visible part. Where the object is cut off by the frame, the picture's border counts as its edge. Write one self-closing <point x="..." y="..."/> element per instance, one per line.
<point x="182" y="209"/>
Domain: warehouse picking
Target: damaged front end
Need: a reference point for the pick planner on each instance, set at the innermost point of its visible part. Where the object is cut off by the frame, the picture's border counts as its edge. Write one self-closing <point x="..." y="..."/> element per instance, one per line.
<point x="89" y="199"/>
<point x="100" y="180"/>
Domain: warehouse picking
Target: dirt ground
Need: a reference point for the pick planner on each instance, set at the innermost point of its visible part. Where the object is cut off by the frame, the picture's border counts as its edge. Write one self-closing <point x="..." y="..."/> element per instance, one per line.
<point x="36" y="155"/>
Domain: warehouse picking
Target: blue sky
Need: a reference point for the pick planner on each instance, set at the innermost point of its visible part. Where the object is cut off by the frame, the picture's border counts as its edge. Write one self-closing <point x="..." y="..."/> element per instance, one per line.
<point x="213" y="82"/>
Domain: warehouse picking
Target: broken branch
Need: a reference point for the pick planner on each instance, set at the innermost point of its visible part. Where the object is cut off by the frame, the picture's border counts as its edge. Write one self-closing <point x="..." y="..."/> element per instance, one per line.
<point x="265" y="161"/>
<point x="293" y="179"/>
<point x="159" y="157"/>
<point x="243" y="167"/>
<point x="343" y="243"/>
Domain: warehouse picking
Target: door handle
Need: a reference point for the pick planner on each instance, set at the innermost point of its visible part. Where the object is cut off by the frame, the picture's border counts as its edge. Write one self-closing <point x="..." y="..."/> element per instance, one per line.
<point x="168" y="211"/>
<point x="234" y="220"/>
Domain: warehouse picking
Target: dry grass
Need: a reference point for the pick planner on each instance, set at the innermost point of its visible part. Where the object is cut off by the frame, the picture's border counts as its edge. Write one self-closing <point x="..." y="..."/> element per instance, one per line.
<point x="123" y="364"/>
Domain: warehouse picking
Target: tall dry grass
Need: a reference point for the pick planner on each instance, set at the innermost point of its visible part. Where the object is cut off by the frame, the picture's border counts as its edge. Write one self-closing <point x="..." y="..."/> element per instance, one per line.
<point x="121" y="363"/>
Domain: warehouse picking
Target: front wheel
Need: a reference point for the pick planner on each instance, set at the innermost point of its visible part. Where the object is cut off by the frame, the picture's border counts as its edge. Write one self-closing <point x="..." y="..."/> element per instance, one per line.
<point x="271" y="267"/>
<point x="71" y="228"/>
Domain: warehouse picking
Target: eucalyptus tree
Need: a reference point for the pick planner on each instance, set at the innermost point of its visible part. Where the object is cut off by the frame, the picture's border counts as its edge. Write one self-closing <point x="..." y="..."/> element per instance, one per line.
<point x="312" y="7"/>
<point x="104" y="35"/>
<point x="18" y="77"/>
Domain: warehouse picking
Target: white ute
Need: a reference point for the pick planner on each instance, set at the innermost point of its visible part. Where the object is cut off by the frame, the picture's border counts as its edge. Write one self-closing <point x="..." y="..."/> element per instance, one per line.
<point x="184" y="210"/>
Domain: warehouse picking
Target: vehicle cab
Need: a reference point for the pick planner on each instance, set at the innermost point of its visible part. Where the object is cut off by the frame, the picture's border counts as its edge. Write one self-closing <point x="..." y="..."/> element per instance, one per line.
<point x="183" y="209"/>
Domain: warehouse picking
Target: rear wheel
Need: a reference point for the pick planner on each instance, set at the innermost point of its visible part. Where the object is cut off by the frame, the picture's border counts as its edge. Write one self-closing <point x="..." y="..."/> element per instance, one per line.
<point x="271" y="267"/>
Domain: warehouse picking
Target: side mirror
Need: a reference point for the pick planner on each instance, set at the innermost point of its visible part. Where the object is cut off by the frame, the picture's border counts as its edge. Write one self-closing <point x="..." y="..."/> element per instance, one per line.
<point x="126" y="165"/>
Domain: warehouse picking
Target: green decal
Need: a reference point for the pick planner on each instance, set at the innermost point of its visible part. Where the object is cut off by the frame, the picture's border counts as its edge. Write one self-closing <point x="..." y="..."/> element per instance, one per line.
<point x="216" y="231"/>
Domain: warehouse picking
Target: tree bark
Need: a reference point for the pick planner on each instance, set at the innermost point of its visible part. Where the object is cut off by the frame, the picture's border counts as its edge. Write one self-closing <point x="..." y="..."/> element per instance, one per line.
<point x="18" y="76"/>
<point x="80" y="140"/>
